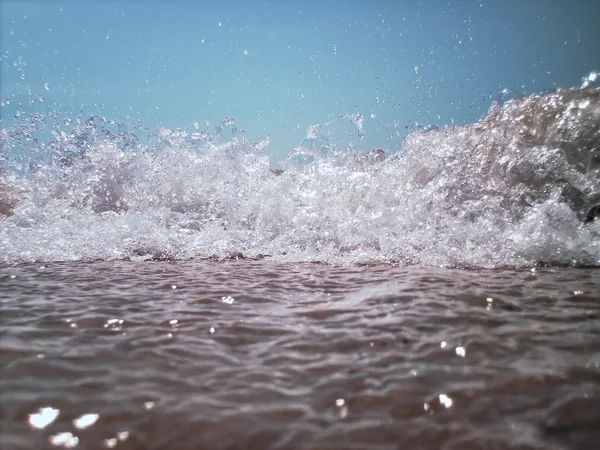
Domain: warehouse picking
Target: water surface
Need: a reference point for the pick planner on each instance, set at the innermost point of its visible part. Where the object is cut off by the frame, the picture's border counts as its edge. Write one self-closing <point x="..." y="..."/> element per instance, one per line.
<point x="267" y="355"/>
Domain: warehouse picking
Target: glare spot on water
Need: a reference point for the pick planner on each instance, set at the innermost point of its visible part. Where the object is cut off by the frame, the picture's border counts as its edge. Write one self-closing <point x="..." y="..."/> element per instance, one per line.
<point x="173" y="286"/>
<point x="85" y="421"/>
<point x="212" y="330"/>
<point x="112" y="442"/>
<point x="341" y="404"/>
<point x="173" y="322"/>
<point x="44" y="417"/>
<point x="65" y="439"/>
<point x="148" y="405"/>
<point x="445" y="400"/>
<point x="114" y="324"/>
<point x="426" y="406"/>
<point x="229" y="299"/>
<point x="122" y="435"/>
<point x="577" y="292"/>
<point x="443" y="344"/>
<point x="460" y="351"/>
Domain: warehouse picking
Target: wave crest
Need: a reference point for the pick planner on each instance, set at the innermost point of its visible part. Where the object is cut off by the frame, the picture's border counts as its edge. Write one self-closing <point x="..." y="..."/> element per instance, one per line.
<point x="519" y="187"/>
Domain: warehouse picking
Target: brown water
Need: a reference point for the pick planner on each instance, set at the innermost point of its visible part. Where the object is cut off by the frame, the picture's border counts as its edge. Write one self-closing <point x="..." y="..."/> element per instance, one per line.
<point x="257" y="355"/>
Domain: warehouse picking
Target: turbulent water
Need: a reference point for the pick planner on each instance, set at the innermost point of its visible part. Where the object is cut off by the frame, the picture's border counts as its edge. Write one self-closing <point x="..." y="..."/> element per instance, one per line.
<point x="519" y="187"/>
<point x="263" y="355"/>
<point x="171" y="290"/>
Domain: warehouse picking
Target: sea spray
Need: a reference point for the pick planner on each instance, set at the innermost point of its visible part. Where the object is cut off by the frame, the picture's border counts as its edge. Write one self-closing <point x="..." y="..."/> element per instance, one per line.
<point x="517" y="188"/>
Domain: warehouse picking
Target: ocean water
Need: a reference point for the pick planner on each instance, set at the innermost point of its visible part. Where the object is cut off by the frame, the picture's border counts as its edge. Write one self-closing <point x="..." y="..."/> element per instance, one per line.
<point x="256" y="355"/>
<point x="295" y="225"/>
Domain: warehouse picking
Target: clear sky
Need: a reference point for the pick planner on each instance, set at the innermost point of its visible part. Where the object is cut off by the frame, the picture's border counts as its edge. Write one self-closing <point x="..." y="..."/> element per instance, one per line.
<point x="280" y="66"/>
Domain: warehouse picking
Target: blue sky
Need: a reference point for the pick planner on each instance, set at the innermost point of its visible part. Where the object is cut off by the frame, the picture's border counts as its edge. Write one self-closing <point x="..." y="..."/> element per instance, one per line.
<point x="280" y="66"/>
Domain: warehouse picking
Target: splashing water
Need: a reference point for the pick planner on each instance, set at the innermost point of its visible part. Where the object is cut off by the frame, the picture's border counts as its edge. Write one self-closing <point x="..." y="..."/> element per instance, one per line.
<point x="519" y="187"/>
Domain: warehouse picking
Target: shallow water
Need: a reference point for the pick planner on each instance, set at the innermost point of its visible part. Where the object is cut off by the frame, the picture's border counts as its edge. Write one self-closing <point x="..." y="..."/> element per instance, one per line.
<point x="266" y="355"/>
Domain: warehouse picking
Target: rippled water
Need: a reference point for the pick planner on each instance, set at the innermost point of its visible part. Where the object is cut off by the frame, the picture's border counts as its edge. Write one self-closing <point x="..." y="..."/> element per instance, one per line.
<point x="267" y="355"/>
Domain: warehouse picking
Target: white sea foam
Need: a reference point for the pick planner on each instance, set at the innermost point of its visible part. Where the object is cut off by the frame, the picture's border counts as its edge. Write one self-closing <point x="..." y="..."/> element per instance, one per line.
<point x="513" y="189"/>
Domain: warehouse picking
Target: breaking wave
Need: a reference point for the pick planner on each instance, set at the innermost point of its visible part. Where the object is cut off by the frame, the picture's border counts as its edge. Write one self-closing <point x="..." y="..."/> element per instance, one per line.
<point x="517" y="188"/>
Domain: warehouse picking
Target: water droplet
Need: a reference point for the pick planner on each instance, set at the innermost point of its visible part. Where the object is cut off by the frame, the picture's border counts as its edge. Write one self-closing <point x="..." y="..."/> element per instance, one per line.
<point x="509" y="95"/>
<point x="47" y="86"/>
<point x="245" y="52"/>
